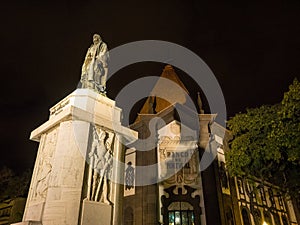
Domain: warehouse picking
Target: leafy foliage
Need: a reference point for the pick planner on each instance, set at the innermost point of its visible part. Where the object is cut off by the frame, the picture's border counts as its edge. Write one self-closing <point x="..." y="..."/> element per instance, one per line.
<point x="12" y="185"/>
<point x="266" y="142"/>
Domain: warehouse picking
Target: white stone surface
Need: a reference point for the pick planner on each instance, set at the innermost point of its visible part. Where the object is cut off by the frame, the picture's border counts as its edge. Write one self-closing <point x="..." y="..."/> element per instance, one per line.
<point x="89" y="101"/>
<point x="86" y="105"/>
<point x="34" y="210"/>
<point x="60" y="204"/>
<point x="28" y="223"/>
<point x="96" y="213"/>
<point x="58" y="184"/>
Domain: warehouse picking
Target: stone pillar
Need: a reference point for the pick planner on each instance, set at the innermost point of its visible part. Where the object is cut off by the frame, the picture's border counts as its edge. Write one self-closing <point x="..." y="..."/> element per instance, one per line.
<point x="59" y="186"/>
<point x="118" y="186"/>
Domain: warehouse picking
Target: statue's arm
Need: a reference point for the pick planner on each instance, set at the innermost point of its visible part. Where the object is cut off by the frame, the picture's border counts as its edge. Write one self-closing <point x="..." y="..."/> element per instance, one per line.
<point x="103" y="48"/>
<point x="86" y="60"/>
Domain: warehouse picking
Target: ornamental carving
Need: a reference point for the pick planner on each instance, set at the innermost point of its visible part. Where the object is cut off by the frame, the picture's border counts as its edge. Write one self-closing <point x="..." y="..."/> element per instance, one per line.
<point x="100" y="169"/>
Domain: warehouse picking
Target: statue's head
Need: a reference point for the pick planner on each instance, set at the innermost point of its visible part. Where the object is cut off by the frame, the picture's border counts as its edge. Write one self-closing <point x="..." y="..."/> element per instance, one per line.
<point x="96" y="38"/>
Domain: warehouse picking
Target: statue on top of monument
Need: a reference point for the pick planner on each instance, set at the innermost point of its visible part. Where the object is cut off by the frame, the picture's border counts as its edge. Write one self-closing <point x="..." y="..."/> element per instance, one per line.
<point x="94" y="69"/>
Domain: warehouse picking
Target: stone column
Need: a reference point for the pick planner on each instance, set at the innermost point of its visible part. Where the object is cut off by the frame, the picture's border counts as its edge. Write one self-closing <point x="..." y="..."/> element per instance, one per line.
<point x="119" y="178"/>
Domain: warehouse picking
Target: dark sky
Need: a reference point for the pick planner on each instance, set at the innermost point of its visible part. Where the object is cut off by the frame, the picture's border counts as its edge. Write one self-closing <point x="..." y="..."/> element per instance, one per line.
<point x="253" y="48"/>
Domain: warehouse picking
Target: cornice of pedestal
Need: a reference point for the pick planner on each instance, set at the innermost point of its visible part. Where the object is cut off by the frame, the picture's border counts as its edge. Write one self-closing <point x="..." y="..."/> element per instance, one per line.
<point x="86" y="105"/>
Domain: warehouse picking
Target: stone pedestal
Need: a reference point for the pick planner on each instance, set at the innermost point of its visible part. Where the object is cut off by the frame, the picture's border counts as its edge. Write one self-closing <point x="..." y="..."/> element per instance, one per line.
<point x="95" y="213"/>
<point x="29" y="223"/>
<point x="60" y="177"/>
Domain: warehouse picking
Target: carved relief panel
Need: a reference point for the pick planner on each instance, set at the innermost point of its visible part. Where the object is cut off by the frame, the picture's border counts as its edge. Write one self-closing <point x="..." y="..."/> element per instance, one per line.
<point x="100" y="157"/>
<point x="44" y="164"/>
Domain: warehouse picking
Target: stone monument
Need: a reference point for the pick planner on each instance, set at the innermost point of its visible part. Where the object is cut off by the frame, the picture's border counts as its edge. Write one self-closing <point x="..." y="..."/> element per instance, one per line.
<point x="78" y="173"/>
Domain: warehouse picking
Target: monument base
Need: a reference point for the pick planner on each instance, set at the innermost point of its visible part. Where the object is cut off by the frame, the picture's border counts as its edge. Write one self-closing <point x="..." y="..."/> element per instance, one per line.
<point x="96" y="213"/>
<point x="60" y="178"/>
<point x="28" y="223"/>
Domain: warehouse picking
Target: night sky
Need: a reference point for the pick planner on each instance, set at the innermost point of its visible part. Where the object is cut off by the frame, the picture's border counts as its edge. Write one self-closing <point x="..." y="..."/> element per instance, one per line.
<point x="252" y="48"/>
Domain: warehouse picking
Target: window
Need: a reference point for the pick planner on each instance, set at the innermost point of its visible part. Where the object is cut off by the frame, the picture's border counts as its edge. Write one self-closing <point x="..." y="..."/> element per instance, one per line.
<point x="280" y="201"/>
<point x="271" y="197"/>
<point x="267" y="217"/>
<point x="240" y="186"/>
<point x="257" y="217"/>
<point x="276" y="218"/>
<point x="262" y="194"/>
<point x="284" y="220"/>
<point x="181" y="213"/>
<point x="183" y="217"/>
<point x="245" y="216"/>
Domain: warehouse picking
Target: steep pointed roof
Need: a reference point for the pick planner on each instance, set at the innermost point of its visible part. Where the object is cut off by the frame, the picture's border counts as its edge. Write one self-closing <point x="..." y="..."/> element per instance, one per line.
<point x="170" y="74"/>
<point x="168" y="90"/>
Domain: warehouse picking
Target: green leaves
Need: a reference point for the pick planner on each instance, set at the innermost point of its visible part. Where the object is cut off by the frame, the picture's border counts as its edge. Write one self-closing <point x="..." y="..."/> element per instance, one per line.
<point x="266" y="142"/>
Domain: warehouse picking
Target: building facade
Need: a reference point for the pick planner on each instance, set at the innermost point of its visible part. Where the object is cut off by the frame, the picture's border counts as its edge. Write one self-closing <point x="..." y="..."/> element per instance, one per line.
<point x="186" y="191"/>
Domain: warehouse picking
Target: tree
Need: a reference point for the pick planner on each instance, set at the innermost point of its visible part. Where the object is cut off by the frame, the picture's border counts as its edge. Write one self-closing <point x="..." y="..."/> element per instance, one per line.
<point x="266" y="143"/>
<point x="11" y="185"/>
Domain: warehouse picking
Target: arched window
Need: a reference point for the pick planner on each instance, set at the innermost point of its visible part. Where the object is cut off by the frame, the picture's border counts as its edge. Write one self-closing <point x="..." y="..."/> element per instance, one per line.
<point x="128" y="216"/>
<point x="257" y="217"/>
<point x="181" y="213"/>
<point x="181" y="209"/>
<point x="276" y="218"/>
<point x="284" y="220"/>
<point x="268" y="218"/>
<point x="245" y="216"/>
